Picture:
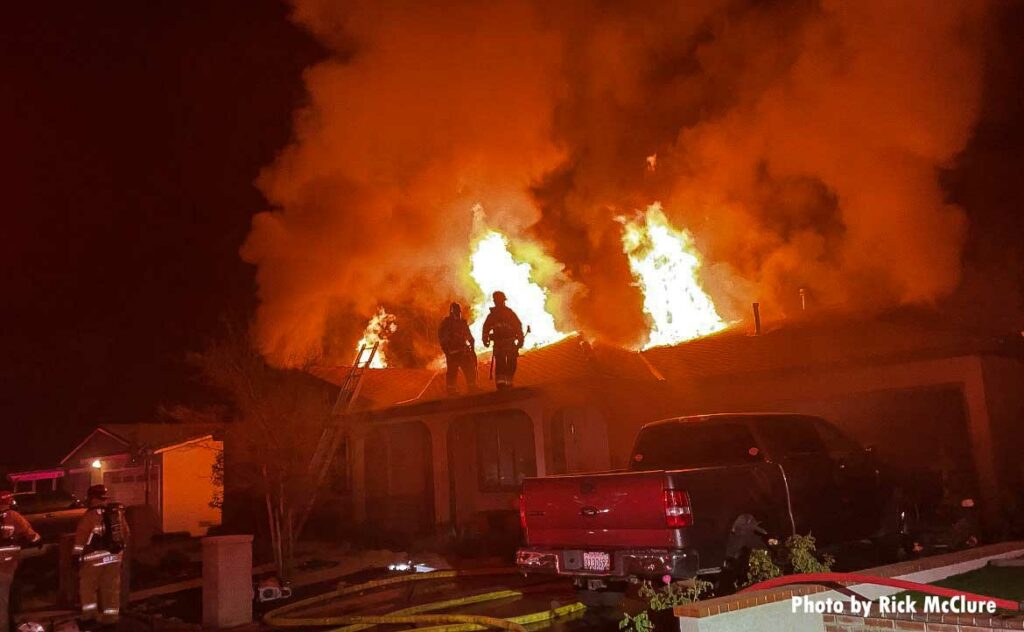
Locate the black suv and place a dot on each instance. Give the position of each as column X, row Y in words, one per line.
column 50, row 513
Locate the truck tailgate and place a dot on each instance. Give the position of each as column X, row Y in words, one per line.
column 616, row 510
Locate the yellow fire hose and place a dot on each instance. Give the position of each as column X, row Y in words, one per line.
column 417, row 614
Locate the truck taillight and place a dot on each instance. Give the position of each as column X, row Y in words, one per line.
column 677, row 508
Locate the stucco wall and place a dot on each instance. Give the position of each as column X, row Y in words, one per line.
column 188, row 487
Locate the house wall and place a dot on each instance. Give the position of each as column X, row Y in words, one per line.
column 399, row 478
column 907, row 406
column 1004, row 389
column 187, row 487
column 466, row 449
column 953, row 415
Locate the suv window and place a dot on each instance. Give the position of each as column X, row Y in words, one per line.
column 790, row 434
column 837, row 443
column 43, row 502
column 692, row 444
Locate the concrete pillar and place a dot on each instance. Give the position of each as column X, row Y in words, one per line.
column 227, row 581
column 442, row 485
column 979, row 426
column 535, row 410
column 358, row 451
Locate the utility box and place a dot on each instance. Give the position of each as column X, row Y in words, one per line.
column 227, row 581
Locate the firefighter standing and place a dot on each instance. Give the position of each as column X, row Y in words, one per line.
column 457, row 342
column 100, row 541
column 504, row 329
column 14, row 531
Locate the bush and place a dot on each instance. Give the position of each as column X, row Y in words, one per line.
column 797, row 555
column 658, row 599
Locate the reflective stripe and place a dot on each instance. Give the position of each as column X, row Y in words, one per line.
column 110, row 611
column 101, row 558
column 78, row 548
column 89, row 606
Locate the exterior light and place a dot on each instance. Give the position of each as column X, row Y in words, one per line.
column 96, row 464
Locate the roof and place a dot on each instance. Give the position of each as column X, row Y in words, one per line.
column 570, row 359
column 898, row 336
column 383, row 387
column 160, row 436
column 147, row 436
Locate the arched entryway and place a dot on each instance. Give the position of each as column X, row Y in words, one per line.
column 399, row 479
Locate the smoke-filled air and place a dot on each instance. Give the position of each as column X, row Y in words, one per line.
column 636, row 172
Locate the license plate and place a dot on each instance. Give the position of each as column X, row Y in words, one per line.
column 597, row 561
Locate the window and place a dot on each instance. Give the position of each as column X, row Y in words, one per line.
column 685, row 444
column 46, row 485
column 505, row 451
column 23, row 486
column 790, row 434
column 836, row 443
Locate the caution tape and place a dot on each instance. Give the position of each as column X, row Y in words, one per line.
column 420, row 614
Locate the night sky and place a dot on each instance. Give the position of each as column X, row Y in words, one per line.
column 132, row 133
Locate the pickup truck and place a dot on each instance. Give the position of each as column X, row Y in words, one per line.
column 700, row 493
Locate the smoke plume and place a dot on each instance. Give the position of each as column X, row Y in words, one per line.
column 800, row 142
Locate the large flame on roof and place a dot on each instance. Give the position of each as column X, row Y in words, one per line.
column 666, row 264
column 377, row 331
column 493, row 268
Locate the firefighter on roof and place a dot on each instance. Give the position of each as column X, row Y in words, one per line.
column 504, row 329
column 100, row 541
column 457, row 343
column 14, row 532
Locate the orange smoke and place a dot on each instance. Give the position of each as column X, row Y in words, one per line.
column 800, row 144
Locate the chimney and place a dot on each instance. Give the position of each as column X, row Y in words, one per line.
column 757, row 319
column 803, row 300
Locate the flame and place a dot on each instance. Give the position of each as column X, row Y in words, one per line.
column 666, row 264
column 380, row 327
column 493, row 268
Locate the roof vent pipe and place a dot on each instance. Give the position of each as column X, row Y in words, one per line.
column 757, row 319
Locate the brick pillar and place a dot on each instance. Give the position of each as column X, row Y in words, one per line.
column 227, row 581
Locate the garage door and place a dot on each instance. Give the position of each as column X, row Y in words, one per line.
column 127, row 487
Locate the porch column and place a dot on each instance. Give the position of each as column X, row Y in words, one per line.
column 979, row 426
column 442, row 478
column 535, row 410
column 358, row 451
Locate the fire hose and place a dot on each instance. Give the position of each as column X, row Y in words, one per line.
column 419, row 614
column 838, row 579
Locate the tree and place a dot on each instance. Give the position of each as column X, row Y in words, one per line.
column 279, row 417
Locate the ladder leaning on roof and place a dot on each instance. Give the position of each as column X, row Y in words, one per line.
column 333, row 432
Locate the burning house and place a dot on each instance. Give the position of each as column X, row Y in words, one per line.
column 643, row 204
column 917, row 392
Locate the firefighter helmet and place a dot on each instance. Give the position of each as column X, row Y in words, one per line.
column 96, row 492
column 6, row 500
column 455, row 310
column 499, row 298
